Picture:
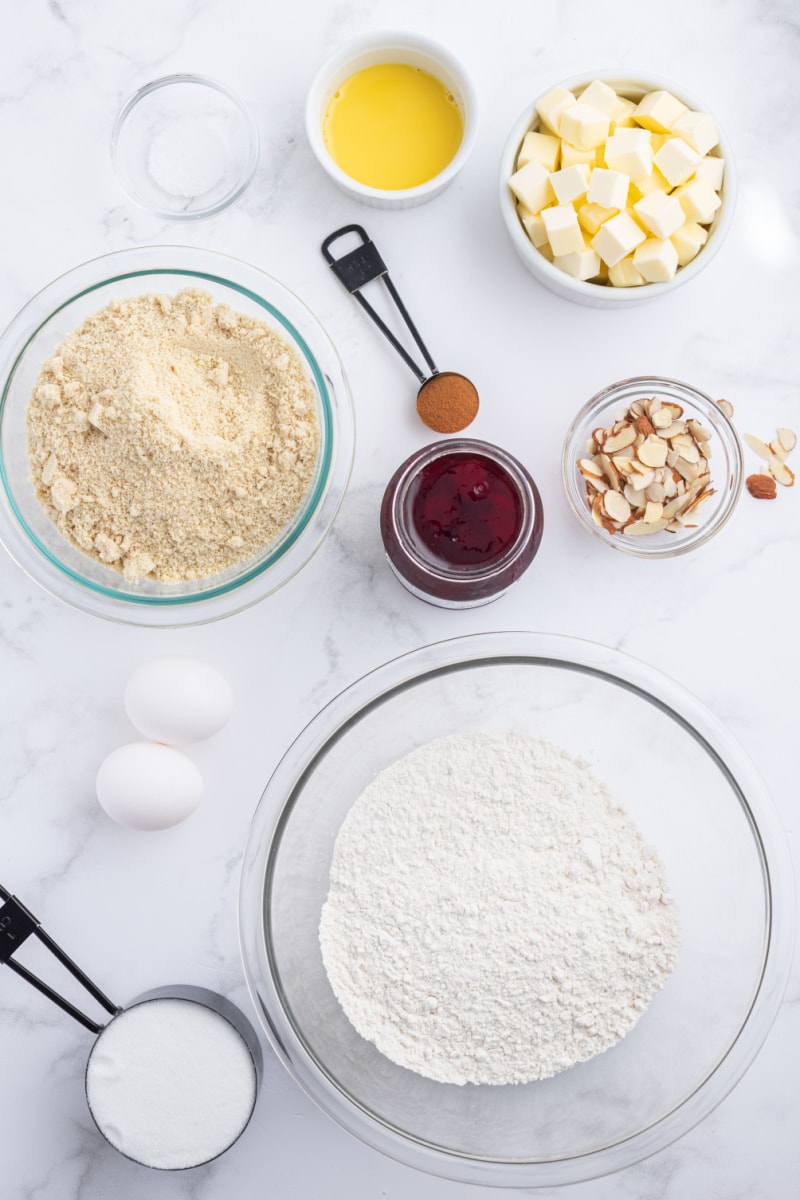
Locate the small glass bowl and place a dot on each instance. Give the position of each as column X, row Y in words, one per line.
column 451, row 585
column 36, row 543
column 727, row 463
column 185, row 147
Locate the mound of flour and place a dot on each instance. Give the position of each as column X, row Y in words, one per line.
column 493, row 915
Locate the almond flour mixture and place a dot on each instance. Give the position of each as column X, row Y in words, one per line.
column 493, row 915
column 171, row 438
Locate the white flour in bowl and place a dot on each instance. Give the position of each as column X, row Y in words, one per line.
column 493, row 915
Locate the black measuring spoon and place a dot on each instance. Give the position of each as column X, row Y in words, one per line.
column 447, row 402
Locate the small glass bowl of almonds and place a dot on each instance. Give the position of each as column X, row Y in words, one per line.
column 653, row 467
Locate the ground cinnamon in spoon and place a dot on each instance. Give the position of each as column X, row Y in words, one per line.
column 447, row 402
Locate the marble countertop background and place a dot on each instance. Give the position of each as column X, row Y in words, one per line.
column 144, row 910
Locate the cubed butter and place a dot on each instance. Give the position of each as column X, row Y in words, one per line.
column 629, row 151
column 710, row 170
column 571, row 155
column 607, row 188
column 624, row 274
column 625, row 120
column 659, row 213
column 551, row 106
column 658, row 111
column 651, row 183
column 617, row 237
column 698, row 201
column 580, row 264
column 689, row 241
column 563, row 231
column 656, row 259
column 601, row 96
column 533, row 225
column 583, row 125
column 698, row 129
column 592, row 216
column 531, row 186
column 542, row 147
column 676, row 160
column 570, row 183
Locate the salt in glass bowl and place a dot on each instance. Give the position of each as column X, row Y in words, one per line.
column 600, row 295
column 726, row 463
column 185, row 147
column 35, row 542
column 692, row 792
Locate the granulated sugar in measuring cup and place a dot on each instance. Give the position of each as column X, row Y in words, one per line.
column 172, row 1078
column 447, row 402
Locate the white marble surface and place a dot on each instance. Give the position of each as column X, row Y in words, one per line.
column 139, row 910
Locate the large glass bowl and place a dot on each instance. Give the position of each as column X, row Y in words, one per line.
column 32, row 538
column 693, row 794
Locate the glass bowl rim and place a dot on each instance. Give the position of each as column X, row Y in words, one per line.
column 342, row 712
column 580, row 428
column 80, row 281
column 253, row 144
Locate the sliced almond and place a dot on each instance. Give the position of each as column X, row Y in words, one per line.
column 670, row 487
column 624, row 437
column 656, row 493
column 674, row 506
column 778, row 450
column 616, row 506
column 699, row 499
column 781, row 472
column 787, row 438
column 661, row 418
column 758, row 447
column 676, row 429
column 598, row 436
column 609, row 470
column 635, row 497
column 652, row 512
column 698, row 431
column 686, row 470
column 653, row 452
column 726, row 407
column 638, row 528
column 589, row 469
column 690, row 453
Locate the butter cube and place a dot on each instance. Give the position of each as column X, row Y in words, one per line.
column 698, row 129
column 592, row 216
column 601, row 96
column 563, row 231
column 658, row 111
column 617, row 237
column 533, row 225
column 629, row 151
column 625, row 120
column 676, row 160
column 659, row 213
column 542, row 147
column 584, row 126
column 570, row 183
column 571, row 155
column 551, row 106
column 689, row 241
column 607, row 188
column 580, row 264
column 624, row 274
column 651, row 183
column 710, row 170
column 698, row 201
column 531, row 186
column 656, row 259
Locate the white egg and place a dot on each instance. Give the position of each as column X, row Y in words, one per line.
column 147, row 786
column 177, row 699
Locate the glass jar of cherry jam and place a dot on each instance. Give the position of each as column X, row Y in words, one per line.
column 460, row 520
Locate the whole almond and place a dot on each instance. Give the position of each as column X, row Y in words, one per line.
column 762, row 487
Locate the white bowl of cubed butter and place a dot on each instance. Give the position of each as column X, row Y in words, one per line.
column 616, row 190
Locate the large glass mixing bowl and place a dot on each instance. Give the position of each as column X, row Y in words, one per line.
column 36, row 543
column 693, row 794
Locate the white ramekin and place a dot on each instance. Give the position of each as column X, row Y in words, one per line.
column 594, row 294
column 368, row 51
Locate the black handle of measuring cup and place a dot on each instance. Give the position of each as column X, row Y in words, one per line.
column 361, row 266
column 17, row 924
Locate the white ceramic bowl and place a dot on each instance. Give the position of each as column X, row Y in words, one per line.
column 391, row 47
column 599, row 295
